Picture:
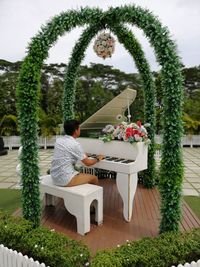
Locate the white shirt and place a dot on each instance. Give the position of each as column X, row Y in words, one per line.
column 67, row 152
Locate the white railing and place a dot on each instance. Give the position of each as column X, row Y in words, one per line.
column 187, row 140
column 44, row 142
column 192, row 264
column 11, row 142
column 11, row 258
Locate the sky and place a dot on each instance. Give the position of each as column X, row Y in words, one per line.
column 20, row 20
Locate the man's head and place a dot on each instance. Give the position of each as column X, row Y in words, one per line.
column 72, row 127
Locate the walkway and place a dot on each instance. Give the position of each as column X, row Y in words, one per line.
column 191, row 185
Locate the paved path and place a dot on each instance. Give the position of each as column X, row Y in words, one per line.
column 191, row 184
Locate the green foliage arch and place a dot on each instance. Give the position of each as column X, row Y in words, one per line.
column 28, row 98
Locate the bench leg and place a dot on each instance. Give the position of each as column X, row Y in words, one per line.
column 98, row 205
column 83, row 222
column 49, row 200
column 82, row 213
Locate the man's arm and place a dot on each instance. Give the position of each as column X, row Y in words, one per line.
column 88, row 162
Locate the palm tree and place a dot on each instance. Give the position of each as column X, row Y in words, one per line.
column 48, row 125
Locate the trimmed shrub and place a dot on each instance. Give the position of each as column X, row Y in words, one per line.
column 164, row 251
column 44, row 245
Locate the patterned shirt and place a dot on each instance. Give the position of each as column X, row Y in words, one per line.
column 67, row 152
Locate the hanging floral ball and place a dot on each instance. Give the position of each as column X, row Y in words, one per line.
column 104, row 45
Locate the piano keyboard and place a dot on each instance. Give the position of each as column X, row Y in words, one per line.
column 112, row 159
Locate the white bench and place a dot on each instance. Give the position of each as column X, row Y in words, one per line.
column 77, row 200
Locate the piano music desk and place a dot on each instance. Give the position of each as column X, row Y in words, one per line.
column 127, row 173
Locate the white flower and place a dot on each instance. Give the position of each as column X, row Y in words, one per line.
column 36, row 246
column 87, row 264
column 42, row 248
column 52, row 230
column 137, row 138
column 118, row 246
column 143, row 130
column 108, row 129
column 81, row 255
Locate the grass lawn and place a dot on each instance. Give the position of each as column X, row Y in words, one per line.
column 194, row 203
column 10, row 200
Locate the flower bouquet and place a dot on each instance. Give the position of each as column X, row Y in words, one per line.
column 104, row 45
column 126, row 131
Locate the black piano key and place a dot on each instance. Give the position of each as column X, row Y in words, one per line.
column 110, row 158
column 118, row 160
column 90, row 155
column 128, row 161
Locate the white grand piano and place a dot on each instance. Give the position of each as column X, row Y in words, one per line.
column 122, row 157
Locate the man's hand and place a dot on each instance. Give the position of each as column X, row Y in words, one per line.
column 89, row 161
column 100, row 157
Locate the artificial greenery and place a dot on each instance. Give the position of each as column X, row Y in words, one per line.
column 28, row 96
column 42, row 244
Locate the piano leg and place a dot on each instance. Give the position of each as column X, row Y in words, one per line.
column 126, row 185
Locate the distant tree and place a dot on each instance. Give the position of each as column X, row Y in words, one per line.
column 191, row 126
column 192, row 105
column 90, row 97
column 7, row 93
column 137, row 107
column 44, row 92
column 8, row 125
column 99, row 97
column 48, row 125
column 54, row 99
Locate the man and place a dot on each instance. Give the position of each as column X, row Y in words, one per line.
column 66, row 154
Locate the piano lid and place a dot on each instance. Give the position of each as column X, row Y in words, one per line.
column 108, row 113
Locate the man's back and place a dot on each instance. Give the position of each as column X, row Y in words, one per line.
column 66, row 153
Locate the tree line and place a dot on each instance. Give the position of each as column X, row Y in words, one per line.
column 95, row 86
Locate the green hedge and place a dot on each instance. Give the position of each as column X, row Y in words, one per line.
column 44, row 245
column 56, row 250
column 164, row 251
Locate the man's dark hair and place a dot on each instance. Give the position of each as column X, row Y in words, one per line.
column 71, row 126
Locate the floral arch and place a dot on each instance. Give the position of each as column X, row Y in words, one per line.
column 165, row 51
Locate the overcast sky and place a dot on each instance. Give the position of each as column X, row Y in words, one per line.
column 21, row 19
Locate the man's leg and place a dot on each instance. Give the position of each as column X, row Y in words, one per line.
column 83, row 178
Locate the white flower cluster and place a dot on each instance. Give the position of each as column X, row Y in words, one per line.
column 104, row 45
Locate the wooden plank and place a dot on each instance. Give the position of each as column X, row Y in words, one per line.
column 115, row 230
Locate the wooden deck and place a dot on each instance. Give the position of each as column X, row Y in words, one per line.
column 145, row 220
